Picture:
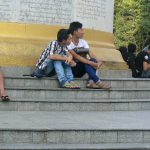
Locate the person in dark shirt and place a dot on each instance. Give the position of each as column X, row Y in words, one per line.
column 131, row 59
column 142, row 63
column 124, row 53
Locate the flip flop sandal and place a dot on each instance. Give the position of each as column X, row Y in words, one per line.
column 67, row 85
column 74, row 85
column 5, row 98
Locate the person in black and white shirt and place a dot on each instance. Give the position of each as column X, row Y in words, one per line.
column 62, row 59
column 56, row 55
column 44, row 66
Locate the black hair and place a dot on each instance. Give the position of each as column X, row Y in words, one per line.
column 148, row 47
column 62, row 34
column 131, row 48
column 124, row 53
column 74, row 26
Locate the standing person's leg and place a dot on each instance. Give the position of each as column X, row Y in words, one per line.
column 3, row 93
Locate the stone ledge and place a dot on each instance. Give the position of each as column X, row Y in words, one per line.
column 112, row 146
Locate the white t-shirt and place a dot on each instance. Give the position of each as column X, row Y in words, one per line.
column 82, row 48
column 82, row 44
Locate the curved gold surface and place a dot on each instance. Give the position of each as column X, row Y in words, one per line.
column 21, row 44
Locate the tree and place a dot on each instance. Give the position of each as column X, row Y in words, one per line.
column 132, row 22
column 143, row 33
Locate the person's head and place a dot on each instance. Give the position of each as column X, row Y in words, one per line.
column 76, row 29
column 123, row 51
column 64, row 36
column 131, row 48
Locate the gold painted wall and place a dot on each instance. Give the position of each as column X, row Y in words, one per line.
column 21, row 44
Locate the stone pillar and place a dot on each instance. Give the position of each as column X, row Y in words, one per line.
column 27, row 26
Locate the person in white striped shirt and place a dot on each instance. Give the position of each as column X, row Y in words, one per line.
column 56, row 56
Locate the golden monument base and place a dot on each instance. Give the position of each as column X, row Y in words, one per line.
column 22, row 44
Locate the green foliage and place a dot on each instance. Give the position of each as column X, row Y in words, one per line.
column 132, row 22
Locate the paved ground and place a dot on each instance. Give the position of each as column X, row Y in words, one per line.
column 111, row 146
column 134, row 120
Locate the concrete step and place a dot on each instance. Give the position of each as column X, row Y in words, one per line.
column 75, row 127
column 60, row 93
column 75, row 105
column 19, row 71
column 112, row 146
column 52, row 82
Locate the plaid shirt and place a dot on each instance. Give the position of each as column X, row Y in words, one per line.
column 53, row 48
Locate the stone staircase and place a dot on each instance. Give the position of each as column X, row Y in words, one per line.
column 42, row 116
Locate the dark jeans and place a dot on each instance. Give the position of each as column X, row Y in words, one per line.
column 146, row 74
column 91, row 71
column 48, row 71
column 79, row 70
column 82, row 68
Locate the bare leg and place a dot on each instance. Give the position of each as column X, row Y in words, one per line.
column 2, row 90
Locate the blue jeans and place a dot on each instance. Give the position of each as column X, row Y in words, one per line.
column 63, row 71
column 46, row 71
column 49, row 67
column 91, row 71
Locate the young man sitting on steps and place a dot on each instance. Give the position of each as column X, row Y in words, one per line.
column 62, row 59
column 80, row 51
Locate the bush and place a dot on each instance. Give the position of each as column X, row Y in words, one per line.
column 132, row 22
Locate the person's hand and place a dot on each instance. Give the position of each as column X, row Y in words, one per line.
column 99, row 64
column 96, row 65
column 73, row 63
column 68, row 60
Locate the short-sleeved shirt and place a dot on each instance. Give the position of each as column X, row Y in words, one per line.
column 54, row 47
column 82, row 48
column 141, row 57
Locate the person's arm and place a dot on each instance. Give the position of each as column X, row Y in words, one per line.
column 69, row 57
column 83, row 60
column 146, row 66
column 52, row 47
column 57, row 57
column 62, row 58
column 92, row 55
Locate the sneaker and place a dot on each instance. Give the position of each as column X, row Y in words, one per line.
column 103, row 85
column 92, row 86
